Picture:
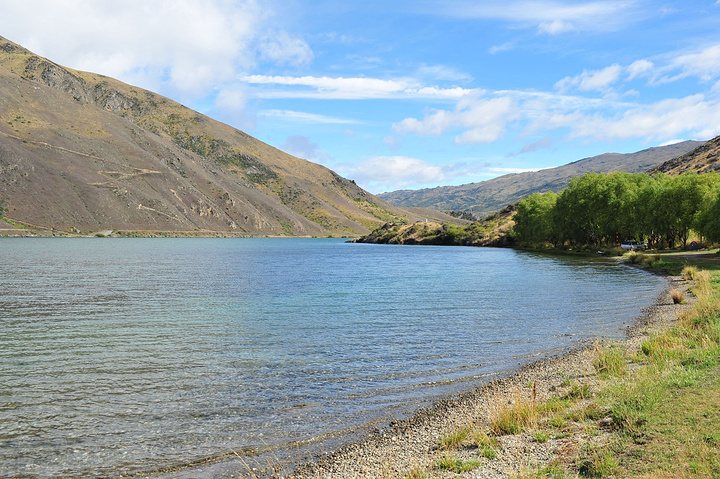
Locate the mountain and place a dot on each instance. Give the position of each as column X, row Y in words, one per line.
column 490, row 196
column 702, row 159
column 81, row 152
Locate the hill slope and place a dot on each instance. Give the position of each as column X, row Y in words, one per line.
column 702, row 159
column 83, row 152
column 489, row 196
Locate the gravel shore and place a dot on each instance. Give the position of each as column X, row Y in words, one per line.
column 413, row 443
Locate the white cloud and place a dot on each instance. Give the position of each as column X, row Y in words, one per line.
column 695, row 116
column 556, row 27
column 704, row 64
column 352, row 88
column 486, row 116
column 501, row 48
column 595, row 80
column 281, row 48
column 639, row 68
column 389, row 173
column 304, row 117
column 484, row 120
column 184, row 46
column 672, row 142
column 385, row 173
column 548, row 16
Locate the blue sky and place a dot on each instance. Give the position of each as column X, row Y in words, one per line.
column 408, row 94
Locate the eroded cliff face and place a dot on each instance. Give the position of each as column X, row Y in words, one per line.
column 84, row 152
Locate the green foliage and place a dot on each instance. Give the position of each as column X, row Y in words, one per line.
column 2, row 208
column 533, row 220
column 457, row 465
column 602, row 209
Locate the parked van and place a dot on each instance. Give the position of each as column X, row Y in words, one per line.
column 632, row 245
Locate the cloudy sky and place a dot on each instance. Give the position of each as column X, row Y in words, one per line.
column 408, row 94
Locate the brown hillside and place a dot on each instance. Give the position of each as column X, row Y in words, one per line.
column 81, row 152
column 702, row 159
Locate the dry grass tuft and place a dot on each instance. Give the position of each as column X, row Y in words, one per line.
column 689, row 272
column 678, row 297
column 610, row 361
column 453, row 440
column 513, row 416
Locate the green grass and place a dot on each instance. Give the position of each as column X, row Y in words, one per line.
column 666, row 414
column 453, row 440
column 457, row 465
column 596, row 462
column 660, row 418
column 610, row 361
column 513, row 418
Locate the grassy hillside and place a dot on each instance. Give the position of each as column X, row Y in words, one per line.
column 489, row 196
column 81, row 152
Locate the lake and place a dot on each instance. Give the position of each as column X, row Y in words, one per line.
column 133, row 356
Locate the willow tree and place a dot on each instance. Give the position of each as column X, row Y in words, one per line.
column 534, row 221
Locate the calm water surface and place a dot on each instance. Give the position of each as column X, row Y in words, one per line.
column 128, row 356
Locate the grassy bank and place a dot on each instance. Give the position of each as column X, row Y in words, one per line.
column 648, row 408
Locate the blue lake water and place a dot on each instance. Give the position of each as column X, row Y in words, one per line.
column 129, row 356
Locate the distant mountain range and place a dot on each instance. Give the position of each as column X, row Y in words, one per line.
column 81, row 152
column 490, row 196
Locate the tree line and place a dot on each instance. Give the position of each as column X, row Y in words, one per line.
column 602, row 209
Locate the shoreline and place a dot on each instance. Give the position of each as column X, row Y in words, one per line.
column 394, row 451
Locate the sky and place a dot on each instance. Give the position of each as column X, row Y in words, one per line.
column 398, row 94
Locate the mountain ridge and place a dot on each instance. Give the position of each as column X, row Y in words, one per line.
column 82, row 152
column 702, row 159
column 489, row 196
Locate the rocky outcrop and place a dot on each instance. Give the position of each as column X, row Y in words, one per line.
column 703, row 159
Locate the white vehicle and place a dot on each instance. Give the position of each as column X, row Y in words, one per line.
column 632, row 245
